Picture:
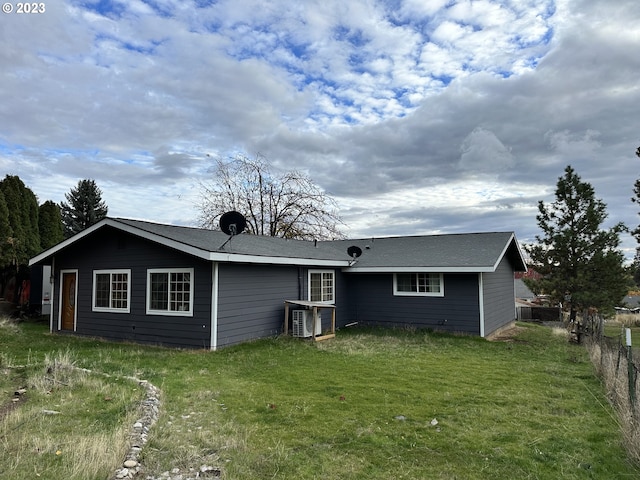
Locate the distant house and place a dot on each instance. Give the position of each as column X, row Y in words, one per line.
column 137, row 281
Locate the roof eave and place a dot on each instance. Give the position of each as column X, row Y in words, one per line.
column 522, row 267
column 185, row 248
column 419, row 269
column 65, row 243
column 297, row 261
column 125, row 228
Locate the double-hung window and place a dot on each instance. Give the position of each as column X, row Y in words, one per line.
column 111, row 291
column 322, row 286
column 418, row 284
column 170, row 291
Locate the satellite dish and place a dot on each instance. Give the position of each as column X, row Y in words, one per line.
column 354, row 251
column 232, row 223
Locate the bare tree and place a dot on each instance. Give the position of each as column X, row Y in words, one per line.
column 288, row 205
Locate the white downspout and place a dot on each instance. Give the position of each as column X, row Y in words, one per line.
column 481, row 303
column 214, row 307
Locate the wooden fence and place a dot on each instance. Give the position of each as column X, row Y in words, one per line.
column 541, row 314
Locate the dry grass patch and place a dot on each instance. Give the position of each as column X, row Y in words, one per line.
column 73, row 424
column 612, row 368
column 627, row 320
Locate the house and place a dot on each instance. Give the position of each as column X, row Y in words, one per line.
column 144, row 282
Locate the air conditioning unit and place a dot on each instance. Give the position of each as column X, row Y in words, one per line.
column 303, row 323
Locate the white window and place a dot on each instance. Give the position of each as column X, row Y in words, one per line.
column 111, row 291
column 170, row 291
column 321, row 286
column 418, row 284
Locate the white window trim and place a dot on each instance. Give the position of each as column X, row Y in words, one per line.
column 418, row 294
column 111, row 309
column 185, row 313
column 333, row 286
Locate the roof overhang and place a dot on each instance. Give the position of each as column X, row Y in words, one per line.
column 189, row 249
column 418, row 269
column 520, row 263
column 511, row 248
column 242, row 258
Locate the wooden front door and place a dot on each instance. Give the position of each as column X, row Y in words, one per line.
column 68, row 300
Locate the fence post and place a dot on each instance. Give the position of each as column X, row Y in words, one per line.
column 631, row 373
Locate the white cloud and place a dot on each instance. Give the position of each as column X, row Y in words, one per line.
column 483, row 152
column 403, row 110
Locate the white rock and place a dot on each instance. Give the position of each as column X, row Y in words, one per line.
column 50, row 412
column 130, row 464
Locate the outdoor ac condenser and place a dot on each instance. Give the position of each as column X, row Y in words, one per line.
column 303, row 323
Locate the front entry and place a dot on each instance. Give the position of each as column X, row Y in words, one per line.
column 68, row 300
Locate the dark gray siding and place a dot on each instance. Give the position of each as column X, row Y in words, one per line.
column 499, row 297
column 110, row 249
column 375, row 304
column 251, row 300
column 343, row 301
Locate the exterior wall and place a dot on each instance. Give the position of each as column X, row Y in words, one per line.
column 375, row 304
column 251, row 300
column 343, row 300
column 498, row 297
column 109, row 249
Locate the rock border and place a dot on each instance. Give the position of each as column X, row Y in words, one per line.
column 149, row 409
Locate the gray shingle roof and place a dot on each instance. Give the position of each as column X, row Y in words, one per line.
column 473, row 252
column 462, row 252
column 243, row 244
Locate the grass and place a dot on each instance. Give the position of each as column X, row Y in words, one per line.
column 68, row 423
column 368, row 404
column 615, row 328
column 613, row 370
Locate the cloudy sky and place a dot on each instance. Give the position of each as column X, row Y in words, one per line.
column 417, row 116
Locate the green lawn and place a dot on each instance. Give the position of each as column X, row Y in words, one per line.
column 369, row 404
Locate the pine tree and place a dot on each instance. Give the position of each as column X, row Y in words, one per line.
column 50, row 225
column 579, row 261
column 84, row 208
column 636, row 199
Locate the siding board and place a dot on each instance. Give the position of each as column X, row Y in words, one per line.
column 251, row 300
column 110, row 249
column 499, row 297
column 457, row 311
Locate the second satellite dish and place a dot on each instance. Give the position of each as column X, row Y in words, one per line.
column 232, row 223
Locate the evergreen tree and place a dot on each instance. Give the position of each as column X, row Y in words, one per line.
column 636, row 199
column 84, row 208
column 6, row 250
column 22, row 207
column 50, row 225
column 579, row 262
